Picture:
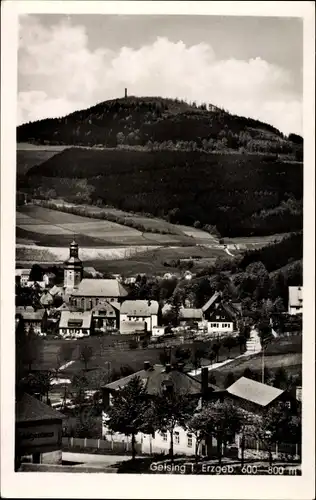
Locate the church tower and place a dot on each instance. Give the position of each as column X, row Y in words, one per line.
column 73, row 269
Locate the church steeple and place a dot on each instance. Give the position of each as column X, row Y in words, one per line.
column 74, row 249
column 73, row 269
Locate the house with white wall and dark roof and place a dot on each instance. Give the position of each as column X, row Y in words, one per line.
column 156, row 380
column 220, row 315
column 134, row 311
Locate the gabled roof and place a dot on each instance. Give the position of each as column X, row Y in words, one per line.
column 295, row 296
column 253, row 391
column 22, row 272
column 56, row 290
column 67, row 317
column 46, row 298
column 230, row 310
column 189, row 313
column 30, row 409
column 140, row 307
column 29, row 314
column 156, row 376
column 100, row 288
column 105, row 308
column 211, row 301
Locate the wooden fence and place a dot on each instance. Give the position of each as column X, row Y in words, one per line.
column 286, row 448
column 100, row 444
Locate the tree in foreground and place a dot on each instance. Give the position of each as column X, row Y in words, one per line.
column 277, row 425
column 169, row 410
column 199, row 426
column 219, row 419
column 127, row 412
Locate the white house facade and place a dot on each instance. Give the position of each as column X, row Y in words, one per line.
column 145, row 311
column 295, row 300
column 75, row 324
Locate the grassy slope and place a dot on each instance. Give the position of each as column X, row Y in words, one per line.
column 63, row 227
column 286, row 352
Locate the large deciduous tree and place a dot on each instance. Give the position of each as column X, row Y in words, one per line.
column 128, row 410
column 169, row 410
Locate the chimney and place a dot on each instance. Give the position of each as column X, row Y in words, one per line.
column 147, row 365
column 168, row 367
column 204, row 381
column 125, row 92
column 180, row 367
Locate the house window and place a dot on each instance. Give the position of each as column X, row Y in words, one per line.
column 189, row 436
column 164, row 436
column 177, row 438
column 288, row 404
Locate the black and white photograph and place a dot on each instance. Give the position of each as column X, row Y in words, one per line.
column 160, row 199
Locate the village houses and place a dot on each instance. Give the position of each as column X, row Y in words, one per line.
column 156, row 380
column 295, row 300
column 134, row 311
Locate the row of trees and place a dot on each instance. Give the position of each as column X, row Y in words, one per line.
column 132, row 411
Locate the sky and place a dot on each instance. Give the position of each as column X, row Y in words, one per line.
column 251, row 66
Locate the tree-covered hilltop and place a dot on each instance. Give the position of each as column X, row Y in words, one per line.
column 158, row 123
column 239, row 194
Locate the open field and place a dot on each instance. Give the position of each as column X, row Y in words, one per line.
column 253, row 241
column 285, row 352
column 47, row 227
column 113, row 349
column 41, row 254
column 161, row 260
column 29, row 155
column 200, row 236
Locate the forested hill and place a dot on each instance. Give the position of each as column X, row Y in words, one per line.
column 241, row 194
column 157, row 123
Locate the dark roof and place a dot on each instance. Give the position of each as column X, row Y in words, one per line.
column 30, row 409
column 256, row 392
column 155, row 377
column 230, row 310
column 211, row 301
column 181, row 382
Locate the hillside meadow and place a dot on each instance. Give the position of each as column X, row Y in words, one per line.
column 46, row 227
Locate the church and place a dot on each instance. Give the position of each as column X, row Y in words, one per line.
column 85, row 294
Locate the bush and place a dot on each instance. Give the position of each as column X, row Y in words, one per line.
column 133, row 344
